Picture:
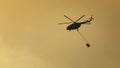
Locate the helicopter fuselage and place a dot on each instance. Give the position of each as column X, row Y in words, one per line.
column 73, row 26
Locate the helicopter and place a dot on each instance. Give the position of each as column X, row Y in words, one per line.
column 76, row 25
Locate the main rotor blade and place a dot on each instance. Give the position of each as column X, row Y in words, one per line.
column 68, row 18
column 79, row 18
column 65, row 23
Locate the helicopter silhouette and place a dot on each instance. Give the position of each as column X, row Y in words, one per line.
column 76, row 25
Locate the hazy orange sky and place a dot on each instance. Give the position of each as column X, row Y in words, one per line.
column 30, row 36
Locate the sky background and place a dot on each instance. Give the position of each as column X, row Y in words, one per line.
column 30, row 36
